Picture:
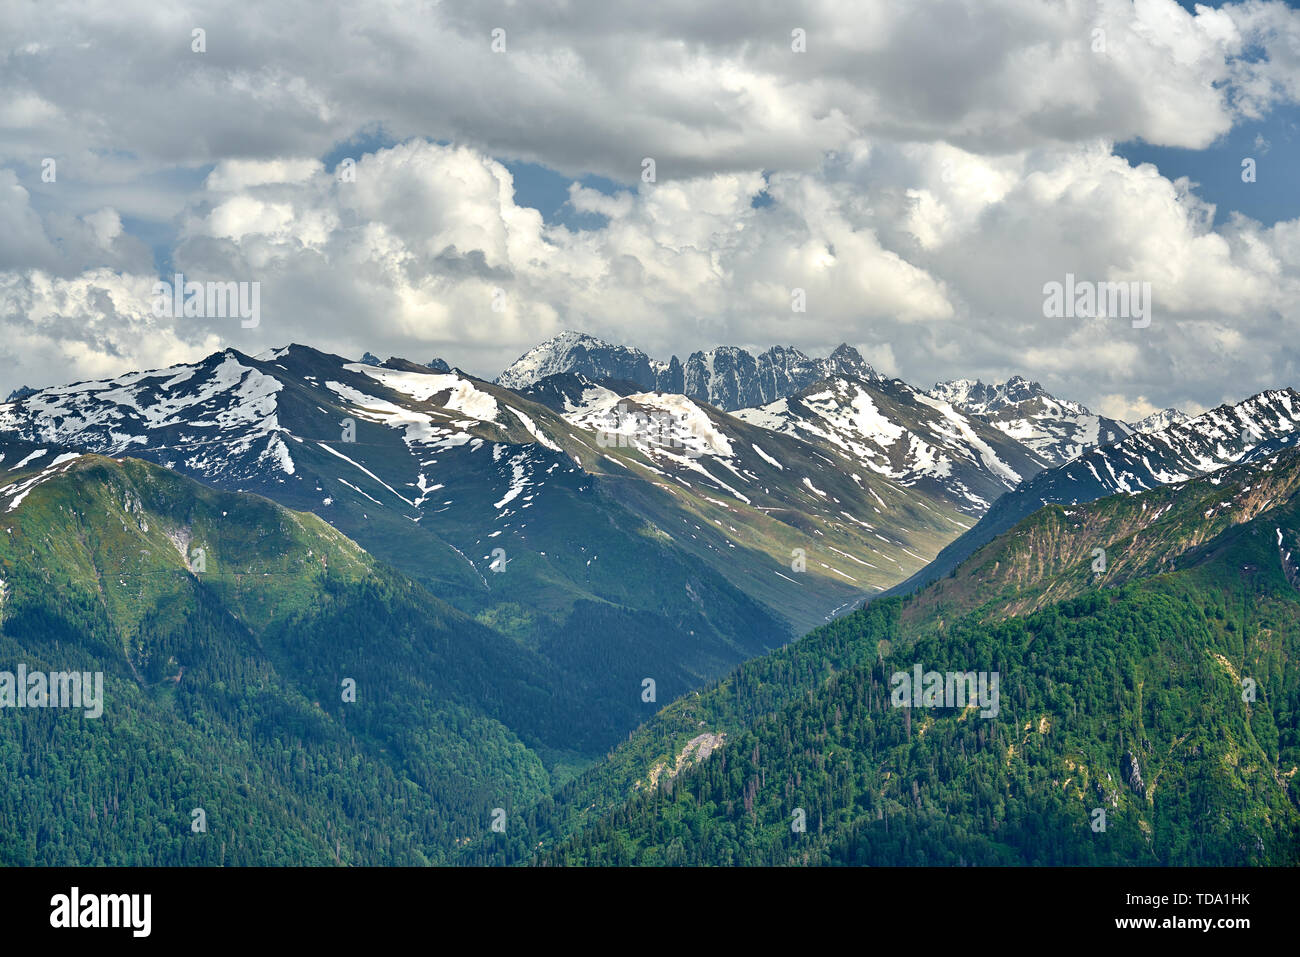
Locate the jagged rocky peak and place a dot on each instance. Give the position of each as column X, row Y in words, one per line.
column 438, row 365
column 1057, row 429
column 22, row 392
column 731, row 378
column 846, row 360
column 978, row 396
column 963, row 393
column 1020, row 389
column 371, row 359
column 725, row 377
column 728, row 377
column 1158, row 421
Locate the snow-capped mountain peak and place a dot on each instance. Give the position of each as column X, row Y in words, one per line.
column 1057, row 429
column 983, row 398
column 1159, row 421
column 580, row 353
column 222, row 407
column 904, row 435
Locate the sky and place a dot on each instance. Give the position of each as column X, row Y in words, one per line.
column 920, row 172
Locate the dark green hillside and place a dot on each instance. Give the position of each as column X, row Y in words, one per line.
column 1091, row 689
column 223, row 687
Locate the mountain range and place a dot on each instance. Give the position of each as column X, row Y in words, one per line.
column 732, row 378
column 727, row 377
column 524, row 572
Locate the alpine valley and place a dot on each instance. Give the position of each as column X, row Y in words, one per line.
column 611, row 609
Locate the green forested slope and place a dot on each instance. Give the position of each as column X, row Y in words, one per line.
column 223, row 687
column 1089, row 688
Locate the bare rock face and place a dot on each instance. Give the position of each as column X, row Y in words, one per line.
column 727, row 377
column 1133, row 774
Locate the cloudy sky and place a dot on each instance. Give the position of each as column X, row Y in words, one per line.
column 386, row 171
